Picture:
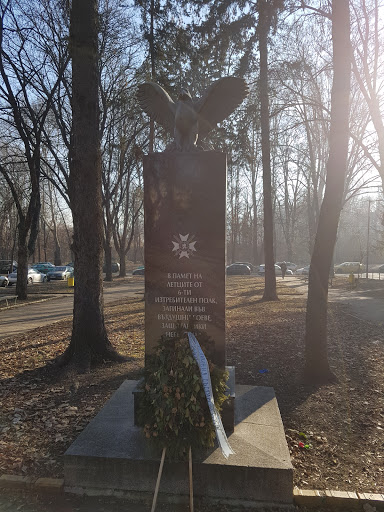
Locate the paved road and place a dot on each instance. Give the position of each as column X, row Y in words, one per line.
column 21, row 319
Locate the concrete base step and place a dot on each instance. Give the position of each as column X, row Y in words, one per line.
column 112, row 454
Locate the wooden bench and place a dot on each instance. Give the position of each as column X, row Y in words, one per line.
column 8, row 299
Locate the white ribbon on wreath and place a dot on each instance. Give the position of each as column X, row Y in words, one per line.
column 202, row 363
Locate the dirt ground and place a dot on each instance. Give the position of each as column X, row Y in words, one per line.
column 335, row 432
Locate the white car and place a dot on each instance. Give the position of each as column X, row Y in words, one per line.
column 349, row 266
column 61, row 273
column 261, row 270
column 3, row 281
column 290, row 265
column 34, row 276
column 303, row 271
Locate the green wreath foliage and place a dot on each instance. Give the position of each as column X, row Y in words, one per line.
column 173, row 409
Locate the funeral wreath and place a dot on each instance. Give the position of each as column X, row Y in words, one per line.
column 173, row 409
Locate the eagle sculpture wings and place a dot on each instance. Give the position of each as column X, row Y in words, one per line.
column 187, row 119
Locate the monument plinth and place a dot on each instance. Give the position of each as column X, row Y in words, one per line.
column 185, row 216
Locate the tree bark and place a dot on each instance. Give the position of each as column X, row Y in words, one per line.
column 22, row 261
column 270, row 276
column 123, row 268
column 317, row 368
column 253, row 178
column 57, row 251
column 89, row 341
column 108, row 257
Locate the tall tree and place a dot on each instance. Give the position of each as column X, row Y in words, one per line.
column 367, row 66
column 316, row 357
column 265, row 18
column 27, row 86
column 121, row 122
column 89, row 341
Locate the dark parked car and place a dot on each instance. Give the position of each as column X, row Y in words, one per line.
column 43, row 267
column 59, row 273
column 138, row 271
column 252, row 267
column 7, row 266
column 239, row 269
column 115, row 267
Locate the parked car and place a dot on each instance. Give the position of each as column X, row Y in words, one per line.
column 290, row 265
column 138, row 271
column 380, row 269
column 34, row 276
column 59, row 273
column 4, row 281
column 7, row 266
column 239, row 269
column 304, row 271
column 261, row 270
column 115, row 267
column 349, row 266
column 43, row 267
column 250, row 265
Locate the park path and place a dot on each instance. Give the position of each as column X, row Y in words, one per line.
column 17, row 320
column 361, row 303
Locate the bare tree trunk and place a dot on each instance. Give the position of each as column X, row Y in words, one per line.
column 89, row 341
column 123, row 267
column 107, row 240
column 22, row 262
column 57, row 250
column 255, row 252
column 153, row 70
column 316, row 357
column 270, row 276
column 27, row 225
column 254, row 172
column 108, row 257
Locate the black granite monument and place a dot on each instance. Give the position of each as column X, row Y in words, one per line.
column 185, row 205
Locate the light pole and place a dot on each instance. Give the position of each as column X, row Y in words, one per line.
column 369, row 221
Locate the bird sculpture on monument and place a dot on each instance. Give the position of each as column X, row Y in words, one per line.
column 187, row 119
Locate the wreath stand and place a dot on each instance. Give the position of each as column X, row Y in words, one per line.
column 159, row 478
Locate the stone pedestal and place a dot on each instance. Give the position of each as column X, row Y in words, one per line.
column 185, row 238
column 112, row 456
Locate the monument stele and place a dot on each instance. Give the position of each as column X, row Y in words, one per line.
column 185, row 215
